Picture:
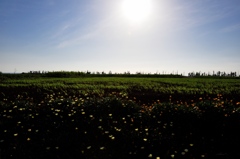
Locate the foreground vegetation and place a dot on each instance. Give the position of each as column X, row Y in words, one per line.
column 117, row 117
column 144, row 88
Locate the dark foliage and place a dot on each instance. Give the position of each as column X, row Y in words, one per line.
column 116, row 127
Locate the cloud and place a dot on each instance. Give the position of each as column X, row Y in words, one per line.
column 231, row 28
column 72, row 34
column 76, row 39
column 197, row 13
column 60, row 31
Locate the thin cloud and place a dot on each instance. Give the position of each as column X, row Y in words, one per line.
column 231, row 28
column 76, row 40
column 60, row 31
column 194, row 14
column 87, row 33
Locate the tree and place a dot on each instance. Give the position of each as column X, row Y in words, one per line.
column 138, row 73
column 197, row 74
column 88, row 72
column 127, row 73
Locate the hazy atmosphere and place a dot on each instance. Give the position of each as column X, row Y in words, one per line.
column 120, row 35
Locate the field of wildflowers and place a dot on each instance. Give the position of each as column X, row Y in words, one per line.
column 119, row 118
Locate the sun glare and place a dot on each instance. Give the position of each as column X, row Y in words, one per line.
column 136, row 10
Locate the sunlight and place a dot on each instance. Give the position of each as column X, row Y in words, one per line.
column 136, row 10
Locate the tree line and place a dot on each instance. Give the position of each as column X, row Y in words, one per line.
column 214, row 74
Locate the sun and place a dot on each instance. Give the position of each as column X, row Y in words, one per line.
column 136, row 10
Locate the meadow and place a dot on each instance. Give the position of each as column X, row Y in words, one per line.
column 119, row 117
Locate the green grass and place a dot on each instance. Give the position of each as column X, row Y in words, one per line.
column 187, row 86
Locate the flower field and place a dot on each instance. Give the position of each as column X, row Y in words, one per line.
column 119, row 118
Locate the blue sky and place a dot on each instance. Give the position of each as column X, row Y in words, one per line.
column 95, row 35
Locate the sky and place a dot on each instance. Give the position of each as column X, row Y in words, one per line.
column 149, row 36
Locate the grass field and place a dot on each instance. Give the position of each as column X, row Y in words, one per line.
column 131, row 86
column 119, row 117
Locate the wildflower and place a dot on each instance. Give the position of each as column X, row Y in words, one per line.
column 150, row 155
column 89, row 147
